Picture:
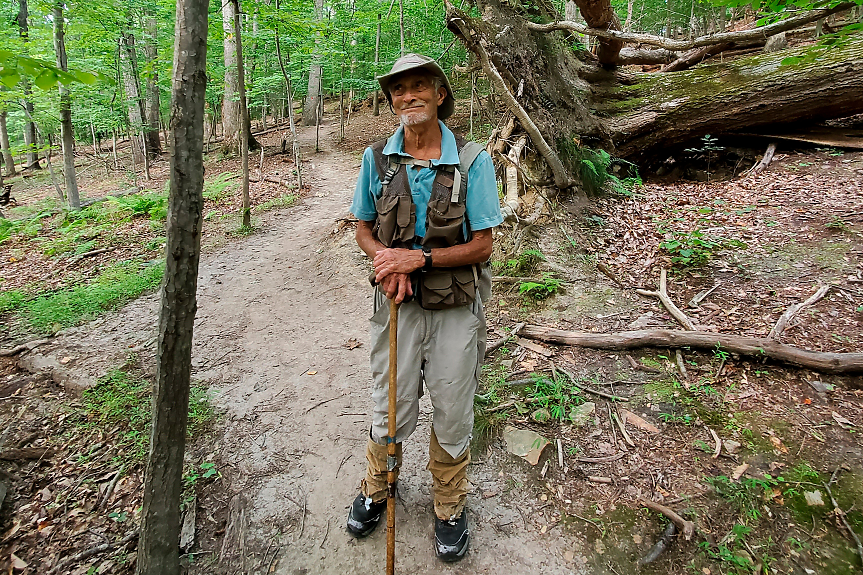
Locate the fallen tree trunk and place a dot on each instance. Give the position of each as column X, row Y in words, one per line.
column 826, row 362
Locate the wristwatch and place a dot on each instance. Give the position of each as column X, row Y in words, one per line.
column 428, row 256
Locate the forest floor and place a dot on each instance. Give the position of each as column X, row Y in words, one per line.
column 281, row 406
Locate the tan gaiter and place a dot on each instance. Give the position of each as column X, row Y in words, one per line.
column 375, row 482
column 450, row 479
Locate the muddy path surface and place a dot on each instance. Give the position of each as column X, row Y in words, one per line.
column 281, row 337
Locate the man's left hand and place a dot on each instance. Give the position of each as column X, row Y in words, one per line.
column 397, row 260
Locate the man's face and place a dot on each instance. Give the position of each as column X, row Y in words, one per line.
column 415, row 99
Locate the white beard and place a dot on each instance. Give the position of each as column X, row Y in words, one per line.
column 414, row 118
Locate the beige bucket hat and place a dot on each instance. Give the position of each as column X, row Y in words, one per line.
column 412, row 62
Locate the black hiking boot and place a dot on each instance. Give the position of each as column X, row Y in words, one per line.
column 364, row 516
column 451, row 538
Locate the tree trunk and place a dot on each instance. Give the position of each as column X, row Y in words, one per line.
column 244, row 117
column 30, row 138
column 4, row 144
column 310, row 108
column 665, row 109
column 152, row 102
column 134, row 103
column 231, row 108
column 376, row 105
column 66, row 133
column 295, row 144
column 158, row 552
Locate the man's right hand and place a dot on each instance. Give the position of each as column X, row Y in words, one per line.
column 397, row 285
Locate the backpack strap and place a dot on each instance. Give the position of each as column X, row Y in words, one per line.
column 466, row 157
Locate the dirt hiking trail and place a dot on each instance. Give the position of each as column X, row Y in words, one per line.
column 281, row 337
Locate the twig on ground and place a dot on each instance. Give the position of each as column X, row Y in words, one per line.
column 686, row 527
column 320, row 403
column 623, row 432
column 678, row 356
column 598, row 479
column 111, row 486
column 793, row 310
column 59, row 567
column 500, row 342
column 608, row 273
column 638, row 366
column 662, row 294
column 717, row 442
column 701, row 295
column 586, row 520
column 326, row 533
column 841, row 514
column 593, row 391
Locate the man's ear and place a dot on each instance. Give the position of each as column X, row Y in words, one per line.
column 441, row 95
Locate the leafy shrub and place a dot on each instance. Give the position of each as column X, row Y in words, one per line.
column 217, row 187
column 695, row 248
column 152, row 205
column 525, row 263
column 542, row 289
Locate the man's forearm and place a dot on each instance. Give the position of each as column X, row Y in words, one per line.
column 476, row 251
column 366, row 239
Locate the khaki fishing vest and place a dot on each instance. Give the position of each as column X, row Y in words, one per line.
column 438, row 288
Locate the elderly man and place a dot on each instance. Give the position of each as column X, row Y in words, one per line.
column 426, row 202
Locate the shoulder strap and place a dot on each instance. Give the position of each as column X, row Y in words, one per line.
column 466, row 157
column 387, row 166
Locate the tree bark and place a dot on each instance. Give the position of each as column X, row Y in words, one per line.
column 295, row 143
column 30, row 138
column 244, row 117
column 752, row 346
column 66, row 133
column 158, row 551
column 231, row 107
column 4, row 144
column 152, row 99
column 134, row 103
column 310, row 108
column 600, row 15
column 376, row 105
column 664, row 109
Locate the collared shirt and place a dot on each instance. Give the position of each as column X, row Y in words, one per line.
column 482, row 204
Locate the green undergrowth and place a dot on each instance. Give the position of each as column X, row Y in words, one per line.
column 121, row 401
column 282, row 201
column 52, row 311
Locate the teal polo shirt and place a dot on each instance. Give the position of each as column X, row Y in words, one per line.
column 482, row 205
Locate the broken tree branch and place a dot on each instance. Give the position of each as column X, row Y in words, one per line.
column 827, row 362
column 680, row 45
column 793, row 310
column 589, row 390
column 765, row 160
column 687, row 528
column 454, row 19
column 662, row 294
column 29, row 346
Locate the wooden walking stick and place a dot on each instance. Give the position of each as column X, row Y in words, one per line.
column 391, row 441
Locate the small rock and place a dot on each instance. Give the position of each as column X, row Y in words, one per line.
column 821, row 387
column 731, row 446
column 636, row 539
column 813, row 498
column 582, row 414
column 541, row 415
column 524, row 443
column 568, row 556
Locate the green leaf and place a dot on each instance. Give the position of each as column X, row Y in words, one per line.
column 9, row 78
column 46, row 80
column 85, row 77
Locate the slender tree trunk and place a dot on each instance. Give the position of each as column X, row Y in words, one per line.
column 402, row 27
column 376, row 105
column 114, row 148
column 231, row 114
column 295, row 144
column 4, row 144
column 135, row 104
column 158, row 552
column 146, row 159
column 96, row 149
column 152, row 107
column 66, row 133
column 310, row 108
column 244, row 117
column 627, row 26
column 30, row 137
column 51, row 170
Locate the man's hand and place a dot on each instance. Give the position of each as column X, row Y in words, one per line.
column 397, row 285
column 396, row 261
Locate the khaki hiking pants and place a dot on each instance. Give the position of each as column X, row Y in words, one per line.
column 444, row 349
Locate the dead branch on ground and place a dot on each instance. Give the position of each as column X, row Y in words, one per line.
column 687, row 528
column 827, row 362
column 765, row 161
column 662, row 294
column 793, row 310
column 59, row 567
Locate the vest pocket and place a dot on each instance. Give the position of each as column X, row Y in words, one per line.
column 447, row 288
column 444, row 224
column 396, row 220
